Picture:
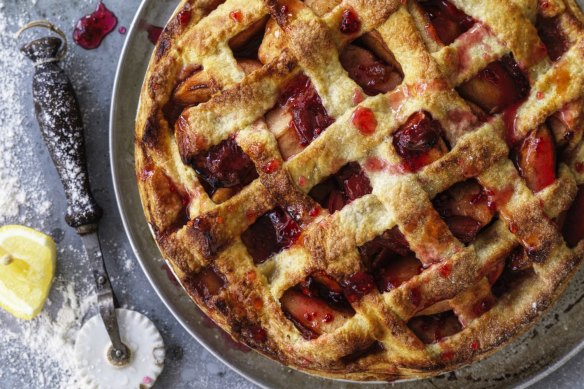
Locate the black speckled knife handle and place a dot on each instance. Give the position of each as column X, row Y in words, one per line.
column 57, row 112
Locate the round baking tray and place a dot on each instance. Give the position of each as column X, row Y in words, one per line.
column 557, row 337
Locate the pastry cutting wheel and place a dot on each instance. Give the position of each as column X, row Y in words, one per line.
column 118, row 348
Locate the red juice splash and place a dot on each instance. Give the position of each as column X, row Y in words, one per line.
column 91, row 29
column 154, row 33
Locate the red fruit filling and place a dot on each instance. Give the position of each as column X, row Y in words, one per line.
column 495, row 272
column 321, row 285
column 358, row 285
column 465, row 209
column 434, row 328
column 345, row 186
column 497, row 87
column 350, row 22
column 395, row 271
column 391, row 260
column 517, row 268
column 369, row 72
column 573, row 228
column 271, row 233
column 419, row 141
column 552, row 37
column 224, row 166
column 446, row 21
column 184, row 17
column 309, row 116
column 390, row 242
column 236, row 16
column 464, row 228
column 316, row 305
column 364, row 120
column 207, row 283
column 91, row 29
column 536, row 159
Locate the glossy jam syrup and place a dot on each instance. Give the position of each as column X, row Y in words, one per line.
column 417, row 141
column 271, row 233
column 91, row 29
column 364, row 120
column 536, row 159
column 123, row 30
column 184, row 17
column 446, row 21
column 309, row 116
column 237, row 16
column 154, row 33
column 497, row 87
column 434, row 328
column 350, row 22
column 573, row 229
column 224, row 166
column 272, row 166
column 445, row 270
column 358, row 285
column 343, row 187
column 474, row 345
column 551, row 35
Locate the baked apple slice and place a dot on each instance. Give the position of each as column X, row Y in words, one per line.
column 536, row 159
column 497, row 87
column 446, row 21
column 369, row 72
column 396, row 271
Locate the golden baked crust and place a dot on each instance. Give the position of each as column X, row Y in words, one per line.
column 201, row 238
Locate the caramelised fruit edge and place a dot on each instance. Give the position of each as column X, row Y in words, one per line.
column 218, row 289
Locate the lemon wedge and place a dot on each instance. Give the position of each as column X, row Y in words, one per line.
column 27, row 268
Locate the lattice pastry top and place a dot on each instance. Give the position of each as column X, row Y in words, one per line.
column 367, row 189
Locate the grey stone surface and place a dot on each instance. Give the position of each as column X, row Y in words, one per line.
column 188, row 364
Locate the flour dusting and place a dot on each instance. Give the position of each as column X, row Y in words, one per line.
column 44, row 347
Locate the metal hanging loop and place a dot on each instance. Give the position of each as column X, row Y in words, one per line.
column 49, row 26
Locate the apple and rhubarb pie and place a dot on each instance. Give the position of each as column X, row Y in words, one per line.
column 368, row 190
